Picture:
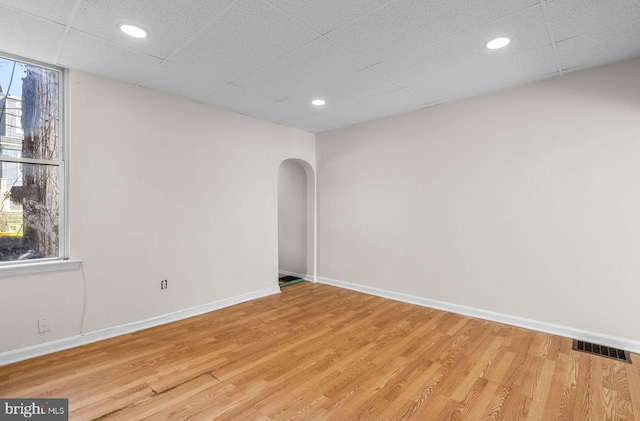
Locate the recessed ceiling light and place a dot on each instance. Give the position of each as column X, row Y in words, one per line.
column 133, row 31
column 501, row 42
column 318, row 102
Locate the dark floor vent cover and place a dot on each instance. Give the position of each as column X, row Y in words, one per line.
column 284, row 281
column 288, row 278
column 604, row 351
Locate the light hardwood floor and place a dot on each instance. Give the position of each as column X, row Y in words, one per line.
column 318, row 352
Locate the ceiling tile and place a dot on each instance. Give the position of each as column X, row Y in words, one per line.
column 310, row 65
column 54, row 10
column 29, row 36
column 325, row 16
column 571, row 18
column 282, row 112
column 363, row 82
column 243, row 39
column 186, row 82
column 618, row 43
column 90, row 54
column 320, row 123
column 235, row 98
column 353, row 109
column 364, row 88
column 408, row 25
column 502, row 74
column 169, row 23
column 372, row 106
column 526, row 28
column 266, row 58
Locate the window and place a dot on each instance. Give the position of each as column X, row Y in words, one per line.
column 31, row 162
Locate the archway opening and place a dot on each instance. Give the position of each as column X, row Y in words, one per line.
column 296, row 222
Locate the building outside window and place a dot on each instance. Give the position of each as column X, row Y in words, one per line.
column 31, row 162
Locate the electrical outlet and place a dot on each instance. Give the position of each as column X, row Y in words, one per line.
column 163, row 284
column 44, row 325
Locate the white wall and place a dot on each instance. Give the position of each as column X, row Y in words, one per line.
column 524, row 202
column 161, row 188
column 292, row 218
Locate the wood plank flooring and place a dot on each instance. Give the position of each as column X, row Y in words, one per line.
column 317, row 352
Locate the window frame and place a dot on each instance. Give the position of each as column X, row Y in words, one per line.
column 9, row 268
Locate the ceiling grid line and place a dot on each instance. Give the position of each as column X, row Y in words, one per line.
column 372, row 68
column 552, row 38
column 337, row 27
column 467, row 31
column 25, row 12
column 188, row 41
column 368, row 59
column 353, row 55
column 324, row 36
column 605, row 28
column 135, row 50
column 441, row 41
column 67, row 29
column 289, row 53
column 268, row 63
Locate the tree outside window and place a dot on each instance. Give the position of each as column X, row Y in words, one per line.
column 30, row 161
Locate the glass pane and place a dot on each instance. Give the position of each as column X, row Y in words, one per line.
column 29, row 114
column 29, row 211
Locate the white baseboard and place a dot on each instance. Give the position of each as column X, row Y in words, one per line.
column 569, row 332
column 87, row 338
column 111, row 332
column 299, row 275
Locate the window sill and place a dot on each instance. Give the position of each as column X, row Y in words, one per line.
column 39, row 267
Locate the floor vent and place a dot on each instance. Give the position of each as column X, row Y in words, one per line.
column 604, row 351
column 284, row 280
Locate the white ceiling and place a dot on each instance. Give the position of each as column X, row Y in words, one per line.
column 367, row 58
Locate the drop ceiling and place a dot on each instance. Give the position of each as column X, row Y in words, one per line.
column 367, row 58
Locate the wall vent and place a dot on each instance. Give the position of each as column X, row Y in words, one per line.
column 604, row 351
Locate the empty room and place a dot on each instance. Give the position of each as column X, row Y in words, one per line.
column 320, row 210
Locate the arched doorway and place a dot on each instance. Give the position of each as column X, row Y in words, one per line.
column 296, row 222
